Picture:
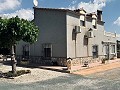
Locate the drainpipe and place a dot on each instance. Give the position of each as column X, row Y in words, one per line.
column 108, row 51
column 88, row 48
column 75, row 44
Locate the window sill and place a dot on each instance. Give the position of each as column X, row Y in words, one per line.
column 83, row 26
column 95, row 28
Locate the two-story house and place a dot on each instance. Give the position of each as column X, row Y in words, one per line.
column 70, row 34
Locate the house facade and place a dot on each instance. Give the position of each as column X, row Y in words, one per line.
column 67, row 34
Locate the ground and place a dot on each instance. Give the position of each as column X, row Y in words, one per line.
column 97, row 81
column 99, row 68
column 41, row 79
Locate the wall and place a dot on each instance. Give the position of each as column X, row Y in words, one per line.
column 57, row 28
column 75, row 44
column 52, row 25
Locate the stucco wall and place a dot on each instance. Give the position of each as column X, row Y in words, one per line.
column 72, row 21
column 76, row 47
column 56, row 27
column 52, row 25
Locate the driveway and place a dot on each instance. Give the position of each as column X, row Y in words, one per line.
column 107, row 80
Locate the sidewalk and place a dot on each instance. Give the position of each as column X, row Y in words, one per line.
column 97, row 67
column 80, row 70
column 93, row 67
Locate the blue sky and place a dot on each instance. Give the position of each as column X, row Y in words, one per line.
column 24, row 9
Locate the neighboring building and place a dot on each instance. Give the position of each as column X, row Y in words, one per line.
column 66, row 34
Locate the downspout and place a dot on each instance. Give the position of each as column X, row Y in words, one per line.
column 108, row 51
column 75, row 44
column 88, row 48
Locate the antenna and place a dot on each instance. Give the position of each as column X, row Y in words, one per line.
column 35, row 2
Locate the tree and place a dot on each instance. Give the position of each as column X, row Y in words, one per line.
column 13, row 30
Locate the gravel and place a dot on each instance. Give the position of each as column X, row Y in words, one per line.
column 35, row 75
column 50, row 80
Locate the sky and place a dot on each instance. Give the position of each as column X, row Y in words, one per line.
column 24, row 9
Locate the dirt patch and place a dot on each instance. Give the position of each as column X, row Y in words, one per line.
column 97, row 69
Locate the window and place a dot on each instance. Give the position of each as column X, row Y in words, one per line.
column 26, row 50
column 82, row 23
column 47, row 50
column 106, row 49
column 95, row 51
column 82, row 20
column 94, row 26
column 112, row 48
column 85, row 41
column 94, row 23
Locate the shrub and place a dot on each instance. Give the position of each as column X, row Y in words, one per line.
column 18, row 73
column 103, row 60
column 24, row 62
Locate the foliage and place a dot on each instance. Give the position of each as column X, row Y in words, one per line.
column 24, row 62
column 12, row 31
column 18, row 73
column 15, row 29
column 104, row 60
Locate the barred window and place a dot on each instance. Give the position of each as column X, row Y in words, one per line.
column 112, row 48
column 95, row 51
column 26, row 50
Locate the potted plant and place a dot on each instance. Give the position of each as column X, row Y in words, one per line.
column 103, row 60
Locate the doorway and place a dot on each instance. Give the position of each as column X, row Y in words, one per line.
column 95, row 51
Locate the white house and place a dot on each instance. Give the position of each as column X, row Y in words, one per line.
column 69, row 34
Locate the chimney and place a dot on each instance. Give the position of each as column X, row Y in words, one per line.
column 99, row 15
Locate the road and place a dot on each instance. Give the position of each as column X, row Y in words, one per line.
column 107, row 80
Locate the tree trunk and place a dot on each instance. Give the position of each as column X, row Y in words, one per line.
column 13, row 61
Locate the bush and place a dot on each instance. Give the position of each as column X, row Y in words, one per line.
column 24, row 62
column 103, row 60
column 18, row 73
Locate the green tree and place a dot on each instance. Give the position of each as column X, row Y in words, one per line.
column 13, row 30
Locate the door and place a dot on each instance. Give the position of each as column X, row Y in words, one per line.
column 107, row 51
column 95, row 51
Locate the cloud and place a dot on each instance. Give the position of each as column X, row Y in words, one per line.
column 22, row 13
column 117, row 22
column 9, row 5
column 91, row 6
column 6, row 5
column 74, row 1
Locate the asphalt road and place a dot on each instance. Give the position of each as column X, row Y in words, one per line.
column 108, row 80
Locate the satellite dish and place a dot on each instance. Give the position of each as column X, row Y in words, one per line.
column 35, row 3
